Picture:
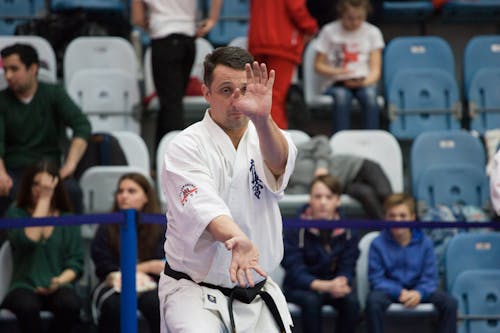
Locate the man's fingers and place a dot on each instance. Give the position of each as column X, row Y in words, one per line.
column 250, row 74
column 263, row 71
column 241, row 278
column 270, row 81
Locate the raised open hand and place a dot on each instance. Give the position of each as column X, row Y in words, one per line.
column 245, row 259
column 255, row 102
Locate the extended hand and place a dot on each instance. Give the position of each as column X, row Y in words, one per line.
column 245, row 259
column 255, row 102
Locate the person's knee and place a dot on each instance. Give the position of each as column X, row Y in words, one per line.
column 375, row 302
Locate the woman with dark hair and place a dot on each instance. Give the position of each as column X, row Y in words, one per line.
column 133, row 192
column 47, row 259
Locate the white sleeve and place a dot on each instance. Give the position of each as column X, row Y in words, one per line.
column 377, row 39
column 495, row 183
column 323, row 41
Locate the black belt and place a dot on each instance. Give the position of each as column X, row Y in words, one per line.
column 245, row 295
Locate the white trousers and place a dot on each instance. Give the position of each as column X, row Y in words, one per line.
column 186, row 307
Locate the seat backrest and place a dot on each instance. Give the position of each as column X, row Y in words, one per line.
column 240, row 41
column 467, row 251
column 232, row 22
column 99, row 183
column 13, row 8
column 103, row 52
column 314, row 83
column 135, row 149
column 362, row 283
column 6, row 271
column 416, row 52
column 484, row 99
column 160, row 156
column 444, row 147
column 203, row 47
column 451, row 184
column 298, row 136
column 46, row 55
column 478, row 293
column 487, row 49
column 377, row 145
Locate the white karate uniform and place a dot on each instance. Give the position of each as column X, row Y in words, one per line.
column 204, row 177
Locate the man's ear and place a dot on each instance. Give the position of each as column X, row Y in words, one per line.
column 206, row 92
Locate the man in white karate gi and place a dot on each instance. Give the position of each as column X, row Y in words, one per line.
column 222, row 178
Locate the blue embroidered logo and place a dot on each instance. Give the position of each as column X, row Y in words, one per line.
column 212, row 298
column 256, row 181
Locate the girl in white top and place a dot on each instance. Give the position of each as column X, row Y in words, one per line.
column 349, row 53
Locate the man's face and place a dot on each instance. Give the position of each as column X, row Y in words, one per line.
column 19, row 77
column 220, row 96
column 399, row 213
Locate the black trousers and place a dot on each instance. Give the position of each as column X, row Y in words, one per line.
column 64, row 303
column 172, row 58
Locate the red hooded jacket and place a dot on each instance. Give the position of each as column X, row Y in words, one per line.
column 277, row 28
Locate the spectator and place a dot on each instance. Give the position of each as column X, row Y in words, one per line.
column 48, row 259
column 361, row 178
column 133, row 192
column 33, row 120
column 277, row 34
column 173, row 28
column 495, row 183
column 349, row 53
column 402, row 269
column 320, row 263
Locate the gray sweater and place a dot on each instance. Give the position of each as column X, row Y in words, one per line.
column 316, row 153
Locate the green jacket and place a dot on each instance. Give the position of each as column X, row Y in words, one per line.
column 36, row 263
column 36, row 130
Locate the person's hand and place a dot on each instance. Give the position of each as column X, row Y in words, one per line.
column 66, row 170
column 204, row 27
column 410, row 298
column 354, row 83
column 339, row 287
column 255, row 102
column 320, row 172
column 245, row 259
column 5, row 184
column 55, row 283
column 47, row 185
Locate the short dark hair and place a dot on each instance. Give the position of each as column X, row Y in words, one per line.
column 330, row 181
column 397, row 199
column 230, row 56
column 27, row 53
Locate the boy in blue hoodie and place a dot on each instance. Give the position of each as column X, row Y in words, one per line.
column 402, row 269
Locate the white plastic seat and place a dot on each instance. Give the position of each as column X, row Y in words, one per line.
column 46, row 55
column 134, row 148
column 241, row 41
column 377, row 145
column 160, row 156
column 314, row 83
column 103, row 52
column 109, row 97
column 195, row 105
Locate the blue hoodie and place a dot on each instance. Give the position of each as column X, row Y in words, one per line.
column 392, row 267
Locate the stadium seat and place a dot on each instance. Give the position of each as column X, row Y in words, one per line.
column 241, row 41
column 481, row 72
column 233, row 22
column 8, row 26
column 471, row 11
column 160, row 156
column 16, row 8
column 134, row 148
column 416, row 52
column 103, row 52
column 314, row 83
column 110, row 98
column 422, row 99
column 194, row 106
column 404, row 11
column 103, row 6
column 377, row 145
column 444, row 148
column 363, row 286
column 469, row 251
column 478, row 296
column 46, row 55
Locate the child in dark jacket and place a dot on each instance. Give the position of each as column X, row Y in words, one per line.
column 402, row 268
column 320, row 263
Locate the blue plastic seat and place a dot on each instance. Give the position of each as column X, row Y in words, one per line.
column 444, row 148
column 404, row 11
column 416, row 53
column 108, row 6
column 422, row 99
column 475, row 11
column 232, row 23
column 450, row 184
column 484, row 100
column 480, row 52
column 478, row 296
column 470, row 251
column 16, row 8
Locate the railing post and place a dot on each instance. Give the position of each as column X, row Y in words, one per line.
column 128, row 258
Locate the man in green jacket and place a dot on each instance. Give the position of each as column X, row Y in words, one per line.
column 33, row 119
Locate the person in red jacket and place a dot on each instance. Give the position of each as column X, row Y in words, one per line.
column 277, row 34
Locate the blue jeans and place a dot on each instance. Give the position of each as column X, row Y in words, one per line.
column 342, row 96
column 311, row 303
column 378, row 302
